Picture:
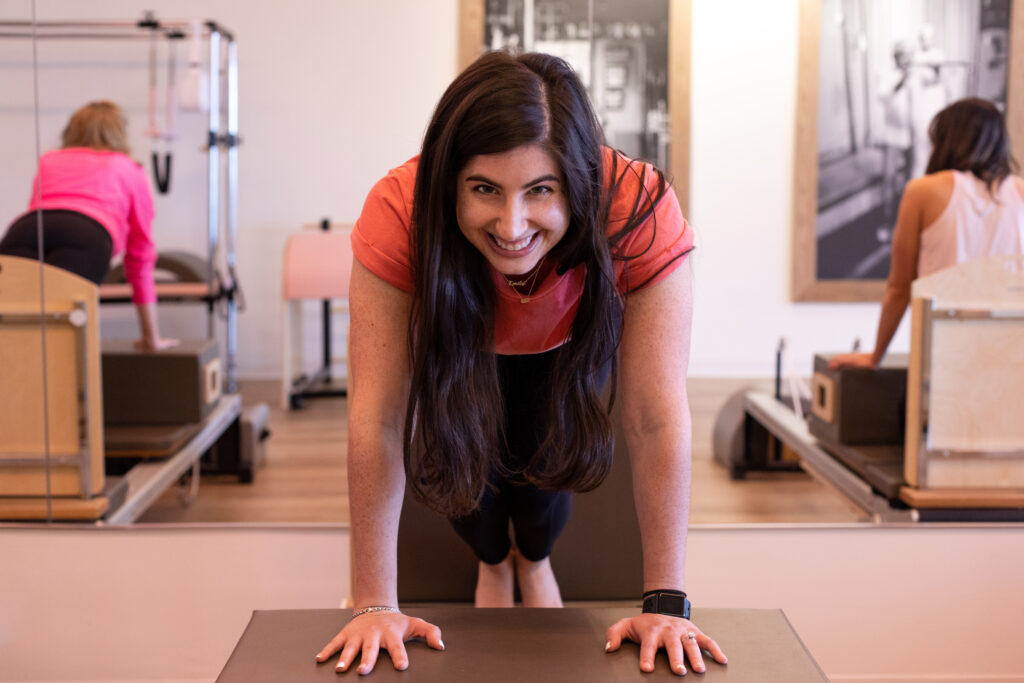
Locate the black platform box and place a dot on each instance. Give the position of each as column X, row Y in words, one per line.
column 856, row 406
column 172, row 386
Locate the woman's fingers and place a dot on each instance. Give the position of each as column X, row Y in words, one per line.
column 418, row 628
column 615, row 634
column 349, row 654
column 712, row 647
column 676, row 658
column 648, row 649
column 396, row 649
column 693, row 651
column 371, row 648
column 330, row 648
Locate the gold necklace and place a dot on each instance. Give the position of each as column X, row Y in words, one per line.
column 525, row 298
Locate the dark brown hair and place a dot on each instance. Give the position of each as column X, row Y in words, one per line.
column 454, row 423
column 970, row 135
column 97, row 125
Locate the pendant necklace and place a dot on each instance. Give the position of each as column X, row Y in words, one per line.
column 532, row 280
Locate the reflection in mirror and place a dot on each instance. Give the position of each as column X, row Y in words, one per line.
column 94, row 201
column 27, row 472
column 304, row 478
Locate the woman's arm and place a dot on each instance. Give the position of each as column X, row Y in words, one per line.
column 918, row 196
column 654, row 357
column 140, row 258
column 378, row 389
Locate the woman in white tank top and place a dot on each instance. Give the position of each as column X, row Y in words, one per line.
column 968, row 205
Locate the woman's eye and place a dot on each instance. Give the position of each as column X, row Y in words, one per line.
column 541, row 190
column 485, row 189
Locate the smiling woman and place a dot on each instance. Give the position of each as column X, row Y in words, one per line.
column 491, row 394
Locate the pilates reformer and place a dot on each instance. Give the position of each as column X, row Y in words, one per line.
column 213, row 90
column 54, row 462
column 950, row 448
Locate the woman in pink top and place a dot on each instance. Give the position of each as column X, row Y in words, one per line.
column 501, row 278
column 969, row 205
column 94, row 203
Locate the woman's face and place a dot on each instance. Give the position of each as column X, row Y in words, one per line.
column 512, row 207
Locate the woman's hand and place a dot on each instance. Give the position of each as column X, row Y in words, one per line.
column 368, row 633
column 852, row 360
column 654, row 631
column 157, row 344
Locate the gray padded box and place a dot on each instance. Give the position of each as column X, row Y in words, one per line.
column 173, row 386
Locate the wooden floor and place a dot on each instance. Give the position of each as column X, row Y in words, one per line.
column 304, row 477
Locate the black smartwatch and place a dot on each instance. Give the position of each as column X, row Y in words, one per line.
column 668, row 602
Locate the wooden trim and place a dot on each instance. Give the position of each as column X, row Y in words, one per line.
column 471, row 32
column 679, row 14
column 915, row 368
column 805, row 286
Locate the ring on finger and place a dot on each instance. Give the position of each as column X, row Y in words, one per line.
column 691, row 636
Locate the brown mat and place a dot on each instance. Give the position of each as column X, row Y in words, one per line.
column 147, row 441
column 515, row 645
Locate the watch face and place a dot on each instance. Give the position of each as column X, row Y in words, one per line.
column 670, row 604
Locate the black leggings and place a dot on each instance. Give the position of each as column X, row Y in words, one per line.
column 538, row 517
column 71, row 240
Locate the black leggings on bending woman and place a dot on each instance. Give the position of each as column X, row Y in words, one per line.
column 538, row 517
column 71, row 240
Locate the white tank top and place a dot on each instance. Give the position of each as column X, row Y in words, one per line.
column 974, row 225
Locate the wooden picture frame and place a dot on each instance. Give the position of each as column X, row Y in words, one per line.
column 805, row 285
column 470, row 46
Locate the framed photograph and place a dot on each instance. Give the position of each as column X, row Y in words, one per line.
column 634, row 58
column 872, row 74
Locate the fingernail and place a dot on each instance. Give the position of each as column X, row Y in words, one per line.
column 699, row 669
column 608, row 646
column 318, row 658
column 442, row 643
column 681, row 669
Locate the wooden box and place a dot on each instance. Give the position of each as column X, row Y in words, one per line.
column 173, row 386
column 856, row 406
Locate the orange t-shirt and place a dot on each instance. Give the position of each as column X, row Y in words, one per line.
column 380, row 241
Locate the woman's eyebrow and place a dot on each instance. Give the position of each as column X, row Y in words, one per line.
column 476, row 178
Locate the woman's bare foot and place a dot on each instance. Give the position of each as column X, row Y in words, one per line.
column 537, row 584
column 495, row 583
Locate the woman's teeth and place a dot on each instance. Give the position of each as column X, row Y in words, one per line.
column 513, row 246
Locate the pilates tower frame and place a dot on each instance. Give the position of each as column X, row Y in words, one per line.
column 222, row 141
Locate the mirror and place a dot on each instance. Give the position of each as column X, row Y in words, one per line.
column 324, row 112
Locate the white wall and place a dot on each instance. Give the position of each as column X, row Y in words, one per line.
column 168, row 604
column 335, row 93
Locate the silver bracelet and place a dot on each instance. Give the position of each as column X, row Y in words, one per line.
column 375, row 608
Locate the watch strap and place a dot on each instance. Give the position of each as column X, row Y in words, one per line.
column 669, row 602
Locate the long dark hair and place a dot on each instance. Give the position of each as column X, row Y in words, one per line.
column 970, row 135
column 455, row 419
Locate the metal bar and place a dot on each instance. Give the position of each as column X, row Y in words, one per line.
column 82, row 377
column 148, row 480
column 232, row 231
column 975, row 314
column 38, row 460
column 36, row 318
column 790, row 429
column 920, row 462
column 213, row 174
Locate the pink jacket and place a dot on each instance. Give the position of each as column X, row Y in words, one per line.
column 112, row 189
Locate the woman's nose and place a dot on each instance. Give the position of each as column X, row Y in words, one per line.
column 513, row 222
